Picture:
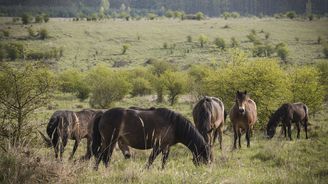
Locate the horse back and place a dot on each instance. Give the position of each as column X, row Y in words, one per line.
column 252, row 111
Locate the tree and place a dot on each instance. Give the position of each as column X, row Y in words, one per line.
column 203, row 39
column 23, row 90
column 26, row 18
column 282, row 51
column 220, row 43
column 200, row 16
column 175, row 83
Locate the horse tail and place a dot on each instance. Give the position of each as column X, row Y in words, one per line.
column 204, row 117
column 51, row 131
column 96, row 137
column 306, row 110
column 46, row 139
column 225, row 113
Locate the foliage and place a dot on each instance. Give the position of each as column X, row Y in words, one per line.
column 234, row 42
column 14, row 50
column 227, row 15
column 38, row 19
column 169, row 14
column 53, row 53
column 31, row 32
column 23, row 90
column 200, row 16
column 175, row 83
column 45, row 18
column 265, row 81
column 291, row 14
column 189, row 38
column 15, row 19
column 263, row 50
column 325, row 50
column 220, row 43
column 267, row 35
column 125, row 48
column 140, row 87
column 106, row 86
column 305, row 80
column 152, row 16
column 5, row 33
column 198, row 73
column 43, row 33
column 322, row 67
column 203, row 39
column 282, row 51
column 26, row 18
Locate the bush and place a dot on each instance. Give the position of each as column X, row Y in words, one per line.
column 189, row 39
column 45, row 18
column 43, row 33
column 325, row 50
column 322, row 67
column 234, row 42
column 31, row 32
column 165, row 45
column 26, row 18
column 252, row 37
column 125, row 48
column 306, row 88
column 169, row 14
column 38, row 19
column 106, row 86
column 263, row 50
column 267, row 35
column 14, row 51
column 291, row 14
column 15, row 19
column 282, row 51
column 200, row 16
column 140, row 87
column 266, row 82
column 175, row 83
column 297, row 39
column 319, row 40
column 151, row 16
column 220, row 43
column 203, row 39
column 5, row 33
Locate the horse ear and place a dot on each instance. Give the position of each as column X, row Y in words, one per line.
column 237, row 92
column 245, row 92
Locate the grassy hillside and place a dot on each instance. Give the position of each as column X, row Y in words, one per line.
column 88, row 43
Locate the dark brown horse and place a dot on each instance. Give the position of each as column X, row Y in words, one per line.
column 243, row 116
column 289, row 113
column 156, row 129
column 208, row 116
column 64, row 125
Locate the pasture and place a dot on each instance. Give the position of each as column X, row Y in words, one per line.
column 86, row 44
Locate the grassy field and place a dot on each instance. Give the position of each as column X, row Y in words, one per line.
column 86, row 44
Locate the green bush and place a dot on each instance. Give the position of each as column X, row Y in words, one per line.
column 45, row 18
column 43, row 33
column 220, row 43
column 291, row 14
column 140, row 87
column 267, row 84
column 169, row 14
column 5, row 33
column 263, row 50
column 31, row 32
column 267, row 35
column 200, row 16
column 189, row 38
column 175, row 83
column 198, row 73
column 38, row 19
column 152, row 16
column 125, row 48
column 106, row 86
column 14, row 51
column 203, row 39
column 319, row 40
column 306, row 87
column 15, row 19
column 282, row 51
column 26, row 18
column 165, row 46
column 325, row 50
column 234, row 42
column 322, row 67
column 252, row 37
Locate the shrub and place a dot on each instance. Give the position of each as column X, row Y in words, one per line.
column 31, row 32
column 226, row 26
column 282, row 51
column 266, row 82
column 140, row 87
column 322, row 67
column 38, row 19
column 252, row 37
column 125, row 48
column 263, row 50
column 311, row 17
column 106, row 86
column 5, row 33
column 169, row 14
column 14, row 51
column 175, row 83
column 203, row 39
column 43, row 33
column 319, row 40
column 325, row 50
column 267, row 35
column 291, row 14
column 151, row 16
column 15, row 19
column 235, row 15
column 26, row 18
column 189, row 39
column 220, row 43
column 234, row 42
column 200, row 16
column 165, row 45
column 297, row 39
column 198, row 73
column 45, row 18
column 306, row 87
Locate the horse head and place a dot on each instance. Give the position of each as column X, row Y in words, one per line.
column 241, row 100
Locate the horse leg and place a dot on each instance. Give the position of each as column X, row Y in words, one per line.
column 220, row 130
column 239, row 137
column 289, row 131
column 56, row 148
column 305, row 128
column 235, row 137
column 248, row 136
column 285, row 130
column 154, row 153
column 76, row 144
column 298, row 129
column 124, row 148
column 87, row 155
column 62, row 147
column 165, row 153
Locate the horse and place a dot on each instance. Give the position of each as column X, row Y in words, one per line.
column 157, row 129
column 243, row 116
column 209, row 116
column 64, row 125
column 289, row 113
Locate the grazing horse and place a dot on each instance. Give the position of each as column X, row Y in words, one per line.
column 64, row 125
column 243, row 116
column 208, row 115
column 156, row 128
column 289, row 113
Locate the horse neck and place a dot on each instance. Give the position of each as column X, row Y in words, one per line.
column 188, row 136
column 276, row 116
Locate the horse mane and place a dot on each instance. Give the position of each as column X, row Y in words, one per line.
column 184, row 130
column 277, row 115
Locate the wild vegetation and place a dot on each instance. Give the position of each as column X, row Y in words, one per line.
column 168, row 62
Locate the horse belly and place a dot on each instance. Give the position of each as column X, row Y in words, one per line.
column 137, row 138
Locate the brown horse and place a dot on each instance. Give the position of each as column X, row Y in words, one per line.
column 156, row 129
column 64, row 125
column 289, row 113
column 243, row 116
column 209, row 117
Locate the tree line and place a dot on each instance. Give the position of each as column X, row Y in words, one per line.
column 209, row 7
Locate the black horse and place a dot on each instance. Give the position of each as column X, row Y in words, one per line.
column 289, row 113
column 156, row 129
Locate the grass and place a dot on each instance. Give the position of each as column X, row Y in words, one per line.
column 86, row 44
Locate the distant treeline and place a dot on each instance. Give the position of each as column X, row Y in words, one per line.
column 70, row 8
